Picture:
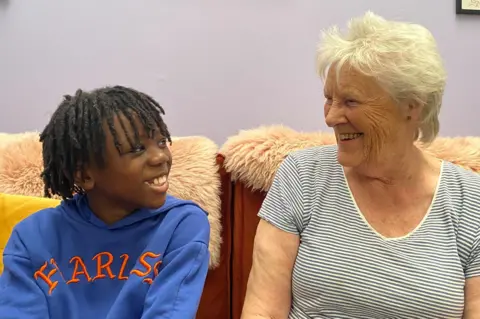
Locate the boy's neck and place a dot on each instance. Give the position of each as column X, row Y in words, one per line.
column 106, row 210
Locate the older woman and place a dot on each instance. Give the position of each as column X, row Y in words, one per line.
column 371, row 227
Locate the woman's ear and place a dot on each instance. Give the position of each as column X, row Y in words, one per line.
column 414, row 111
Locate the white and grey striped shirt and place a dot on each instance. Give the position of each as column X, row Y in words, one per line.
column 344, row 269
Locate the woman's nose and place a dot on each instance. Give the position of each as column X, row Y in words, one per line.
column 335, row 115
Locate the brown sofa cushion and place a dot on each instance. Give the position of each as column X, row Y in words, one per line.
column 216, row 297
column 194, row 175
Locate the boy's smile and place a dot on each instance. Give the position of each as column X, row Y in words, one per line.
column 159, row 184
column 135, row 174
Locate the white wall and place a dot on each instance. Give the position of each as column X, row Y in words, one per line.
column 216, row 66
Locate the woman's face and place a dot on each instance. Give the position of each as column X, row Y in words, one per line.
column 368, row 124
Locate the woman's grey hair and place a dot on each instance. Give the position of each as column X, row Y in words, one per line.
column 402, row 57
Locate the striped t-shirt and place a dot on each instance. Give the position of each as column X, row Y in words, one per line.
column 344, row 269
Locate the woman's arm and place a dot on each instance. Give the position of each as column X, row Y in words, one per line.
column 472, row 298
column 282, row 219
column 270, row 281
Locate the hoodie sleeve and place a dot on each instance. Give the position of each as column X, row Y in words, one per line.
column 175, row 292
column 20, row 296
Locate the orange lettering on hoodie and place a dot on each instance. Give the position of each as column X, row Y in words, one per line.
column 121, row 274
column 146, row 265
column 52, row 284
column 104, row 266
column 78, row 264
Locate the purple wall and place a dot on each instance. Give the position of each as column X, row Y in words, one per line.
column 216, row 66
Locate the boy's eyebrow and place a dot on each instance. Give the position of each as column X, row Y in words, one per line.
column 124, row 140
column 124, row 137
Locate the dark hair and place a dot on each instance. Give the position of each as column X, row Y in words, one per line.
column 75, row 134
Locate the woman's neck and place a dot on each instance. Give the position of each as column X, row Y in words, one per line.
column 402, row 169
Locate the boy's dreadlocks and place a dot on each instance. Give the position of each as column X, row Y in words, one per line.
column 75, row 132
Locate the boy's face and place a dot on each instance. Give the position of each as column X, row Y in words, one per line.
column 137, row 177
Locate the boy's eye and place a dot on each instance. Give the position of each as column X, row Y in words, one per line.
column 141, row 148
column 162, row 142
column 137, row 149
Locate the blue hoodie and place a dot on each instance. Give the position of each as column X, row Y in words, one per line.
column 64, row 262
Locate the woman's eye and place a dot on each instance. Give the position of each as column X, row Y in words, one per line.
column 350, row 102
column 328, row 100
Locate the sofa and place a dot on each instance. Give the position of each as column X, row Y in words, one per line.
column 240, row 173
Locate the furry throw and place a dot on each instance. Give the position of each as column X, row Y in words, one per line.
column 253, row 156
column 194, row 175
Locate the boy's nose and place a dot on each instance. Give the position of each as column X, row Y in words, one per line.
column 158, row 156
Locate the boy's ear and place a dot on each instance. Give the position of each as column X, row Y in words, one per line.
column 84, row 178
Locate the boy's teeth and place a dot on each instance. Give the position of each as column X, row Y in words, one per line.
column 159, row 180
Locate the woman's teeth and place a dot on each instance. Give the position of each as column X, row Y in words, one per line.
column 349, row 136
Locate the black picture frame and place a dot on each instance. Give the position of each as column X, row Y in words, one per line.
column 461, row 10
column 4, row 4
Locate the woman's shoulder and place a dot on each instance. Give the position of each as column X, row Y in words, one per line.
column 460, row 197
column 462, row 190
column 461, row 181
column 315, row 158
column 316, row 153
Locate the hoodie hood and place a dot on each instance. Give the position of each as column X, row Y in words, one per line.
column 79, row 203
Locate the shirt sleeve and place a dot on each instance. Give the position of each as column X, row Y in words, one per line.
column 283, row 205
column 175, row 293
column 465, row 189
column 473, row 267
column 20, row 296
column 472, row 264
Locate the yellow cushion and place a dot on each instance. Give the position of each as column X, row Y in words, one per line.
column 14, row 208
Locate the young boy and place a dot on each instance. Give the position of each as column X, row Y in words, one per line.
column 117, row 246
